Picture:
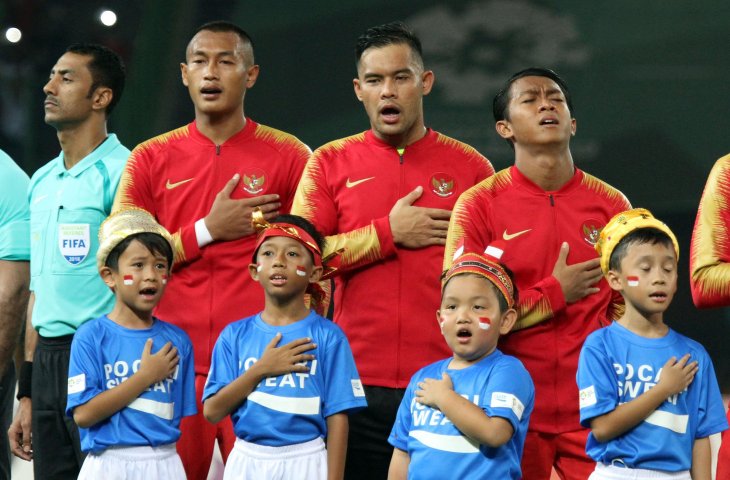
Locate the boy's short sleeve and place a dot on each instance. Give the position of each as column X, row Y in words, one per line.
column 403, row 420
column 85, row 374
column 223, row 368
column 597, row 383
column 190, row 404
column 344, row 390
column 711, row 411
column 510, row 393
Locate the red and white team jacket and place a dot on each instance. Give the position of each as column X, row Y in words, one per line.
column 530, row 225
column 709, row 261
column 176, row 177
column 386, row 297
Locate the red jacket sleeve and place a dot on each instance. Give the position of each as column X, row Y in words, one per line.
column 135, row 191
column 709, row 261
column 314, row 201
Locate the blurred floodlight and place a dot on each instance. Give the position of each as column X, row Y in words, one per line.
column 13, row 35
column 108, row 18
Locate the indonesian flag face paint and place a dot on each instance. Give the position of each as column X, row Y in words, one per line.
column 632, row 281
column 485, row 323
column 164, row 279
column 259, row 268
column 301, row 271
column 128, row 280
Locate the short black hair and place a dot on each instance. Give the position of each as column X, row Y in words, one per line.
column 501, row 100
column 305, row 225
column 106, row 67
column 155, row 243
column 639, row 236
column 222, row 26
column 393, row 33
column 503, row 307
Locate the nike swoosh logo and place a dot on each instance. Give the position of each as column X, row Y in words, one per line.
column 39, row 199
column 170, row 186
column 350, row 184
column 510, row 236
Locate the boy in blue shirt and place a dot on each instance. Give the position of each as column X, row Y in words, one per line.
column 284, row 400
column 466, row 416
column 127, row 400
column 648, row 394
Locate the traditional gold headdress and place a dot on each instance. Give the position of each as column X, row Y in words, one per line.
column 624, row 223
column 122, row 224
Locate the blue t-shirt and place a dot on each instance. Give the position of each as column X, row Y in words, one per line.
column 104, row 354
column 66, row 210
column 616, row 366
column 14, row 214
column 290, row 408
column 501, row 386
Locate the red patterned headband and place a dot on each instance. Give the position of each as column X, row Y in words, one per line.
column 268, row 230
column 482, row 266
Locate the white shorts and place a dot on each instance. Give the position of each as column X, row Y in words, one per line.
column 134, row 463
column 249, row 461
column 613, row 472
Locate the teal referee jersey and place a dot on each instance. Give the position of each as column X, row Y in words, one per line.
column 66, row 210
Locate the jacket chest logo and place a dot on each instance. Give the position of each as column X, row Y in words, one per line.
column 590, row 230
column 254, row 181
column 443, row 184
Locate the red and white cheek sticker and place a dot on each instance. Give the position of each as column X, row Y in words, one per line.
column 485, row 323
column 164, row 279
column 259, row 268
column 128, row 280
column 632, row 281
column 301, row 271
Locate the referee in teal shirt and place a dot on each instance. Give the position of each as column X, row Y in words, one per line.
column 69, row 198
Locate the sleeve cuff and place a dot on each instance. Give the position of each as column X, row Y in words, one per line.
column 554, row 293
column 385, row 236
column 202, row 235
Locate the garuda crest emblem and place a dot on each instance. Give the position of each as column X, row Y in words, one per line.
column 254, row 182
column 442, row 184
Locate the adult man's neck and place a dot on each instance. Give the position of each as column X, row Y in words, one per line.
column 548, row 169
column 402, row 141
column 220, row 128
column 78, row 141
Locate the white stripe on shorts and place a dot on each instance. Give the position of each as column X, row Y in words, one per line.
column 612, row 472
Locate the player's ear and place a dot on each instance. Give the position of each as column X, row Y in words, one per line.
column 428, row 78
column 440, row 320
column 253, row 270
column 107, row 277
column 614, row 280
column 357, row 88
column 253, row 75
column 184, row 73
column 316, row 274
column 504, row 129
column 508, row 321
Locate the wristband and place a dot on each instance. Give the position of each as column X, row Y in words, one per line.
column 202, row 234
column 25, row 380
